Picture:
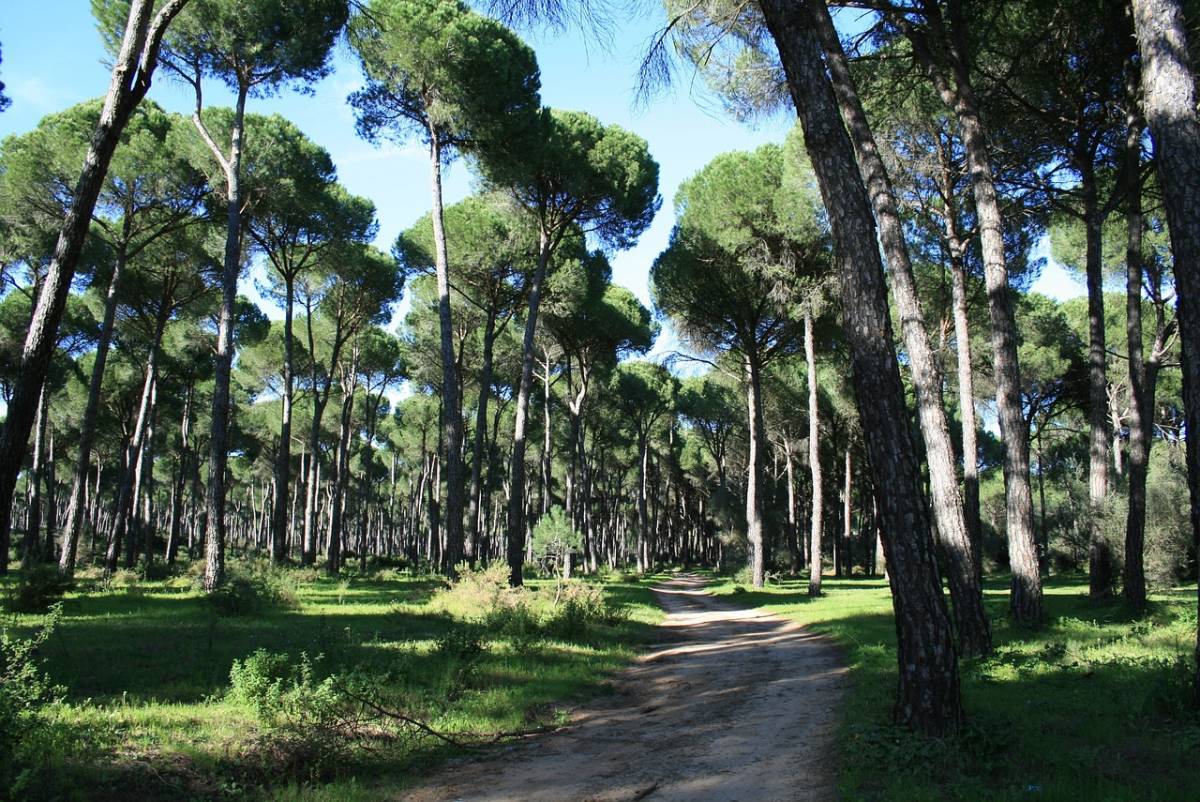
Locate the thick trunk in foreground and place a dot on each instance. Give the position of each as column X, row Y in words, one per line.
column 516, row 497
column 218, row 454
column 928, row 693
column 973, row 630
column 1169, row 92
column 131, row 76
column 1141, row 408
column 452, row 423
column 1100, row 567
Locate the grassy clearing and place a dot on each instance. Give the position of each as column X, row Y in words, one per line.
column 1089, row 707
column 146, row 668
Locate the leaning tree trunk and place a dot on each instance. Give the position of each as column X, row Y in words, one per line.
column 928, row 695
column 452, row 422
column 754, row 471
column 131, row 76
column 1169, row 91
column 816, row 563
column 1026, row 598
column 516, row 498
column 218, row 453
column 973, row 630
column 87, row 426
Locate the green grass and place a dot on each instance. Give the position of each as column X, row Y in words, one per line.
column 146, row 669
column 1091, row 706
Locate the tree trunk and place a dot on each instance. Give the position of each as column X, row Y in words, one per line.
column 131, row 76
column 174, row 530
column 956, row 247
column 951, row 529
column 1100, row 578
column 341, row 476
column 816, row 563
column 1169, row 92
column 516, row 499
column 928, row 693
column 754, row 469
column 474, row 510
column 283, row 450
column 33, row 520
column 124, row 508
column 1026, row 597
column 218, row 454
column 87, row 426
column 1141, row 410
column 643, row 549
column 452, row 422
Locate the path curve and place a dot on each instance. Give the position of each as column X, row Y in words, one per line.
column 738, row 706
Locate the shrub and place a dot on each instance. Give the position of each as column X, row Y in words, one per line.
column 481, row 595
column 554, row 541
column 305, row 721
column 253, row 589
column 578, row 608
column 38, row 589
column 28, row 735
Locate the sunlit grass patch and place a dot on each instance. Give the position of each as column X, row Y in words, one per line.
column 1090, row 706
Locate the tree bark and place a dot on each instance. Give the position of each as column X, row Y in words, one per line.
column 1169, row 92
column 218, row 454
column 928, row 694
column 87, row 426
column 480, row 438
column 516, row 499
column 33, row 520
column 1025, row 601
column 341, row 476
column 1141, row 409
column 956, row 248
column 283, row 450
column 754, row 471
column 452, row 422
column 1100, row 576
column 816, row 562
column 131, row 77
column 951, row 529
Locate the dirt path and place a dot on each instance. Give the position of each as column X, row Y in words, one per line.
column 738, row 706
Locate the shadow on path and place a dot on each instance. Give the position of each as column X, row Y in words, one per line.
column 734, row 705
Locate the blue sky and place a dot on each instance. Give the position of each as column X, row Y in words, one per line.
column 52, row 59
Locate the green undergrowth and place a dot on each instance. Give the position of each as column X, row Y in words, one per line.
column 147, row 708
column 1091, row 706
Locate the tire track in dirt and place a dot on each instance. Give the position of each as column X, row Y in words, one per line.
column 734, row 706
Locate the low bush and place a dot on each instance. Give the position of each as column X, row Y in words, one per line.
column 253, row 589
column 37, row 590
column 29, row 735
column 580, row 607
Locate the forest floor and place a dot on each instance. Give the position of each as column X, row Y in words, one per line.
column 150, row 711
column 735, row 705
column 1091, row 706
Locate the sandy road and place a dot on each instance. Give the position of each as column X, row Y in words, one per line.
column 735, row 706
